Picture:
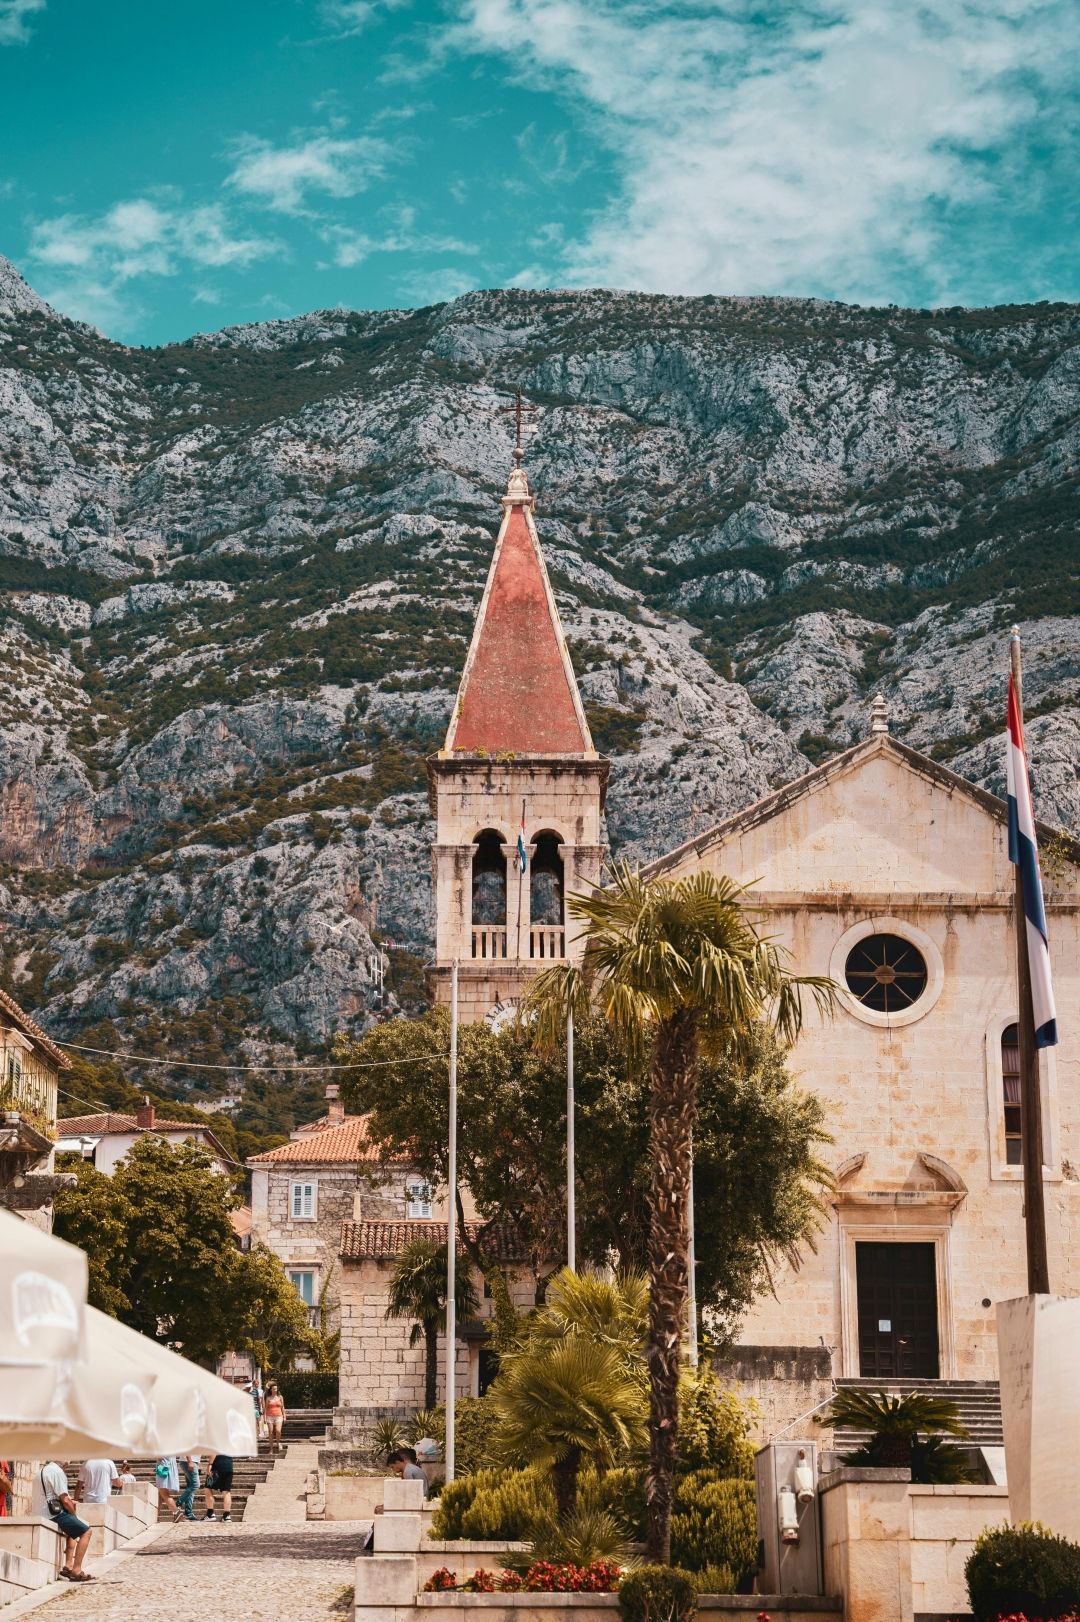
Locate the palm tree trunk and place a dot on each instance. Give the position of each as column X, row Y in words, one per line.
column 672, row 1106
column 431, row 1362
column 564, row 1473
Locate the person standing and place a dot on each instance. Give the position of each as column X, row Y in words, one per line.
column 220, row 1479
column 126, row 1480
column 185, row 1504
column 53, row 1499
column 167, row 1476
column 95, row 1481
column 274, row 1409
column 7, row 1486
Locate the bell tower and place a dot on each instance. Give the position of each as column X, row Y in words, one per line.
column 517, row 789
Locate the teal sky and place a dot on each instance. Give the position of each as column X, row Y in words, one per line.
column 177, row 167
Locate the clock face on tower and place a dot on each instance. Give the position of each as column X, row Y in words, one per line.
column 503, row 1014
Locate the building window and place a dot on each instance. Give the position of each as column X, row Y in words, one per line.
column 417, row 1199
column 14, row 1067
column 885, row 973
column 302, row 1202
column 303, row 1281
column 546, row 881
column 488, row 879
column 1010, row 1086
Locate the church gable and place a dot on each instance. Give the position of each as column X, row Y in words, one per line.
column 878, row 818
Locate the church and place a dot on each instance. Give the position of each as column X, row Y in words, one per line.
column 879, row 868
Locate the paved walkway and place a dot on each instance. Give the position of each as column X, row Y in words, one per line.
column 239, row 1573
column 282, row 1496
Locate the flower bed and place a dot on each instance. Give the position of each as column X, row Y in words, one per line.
column 542, row 1577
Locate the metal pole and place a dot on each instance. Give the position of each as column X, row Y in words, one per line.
column 571, row 1203
column 451, row 1231
column 1038, row 1267
column 691, row 1273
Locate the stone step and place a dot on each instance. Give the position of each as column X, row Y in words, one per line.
column 978, row 1403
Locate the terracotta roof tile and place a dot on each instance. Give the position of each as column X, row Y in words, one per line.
column 380, row 1241
column 518, row 692
column 31, row 1028
column 74, row 1126
column 343, row 1144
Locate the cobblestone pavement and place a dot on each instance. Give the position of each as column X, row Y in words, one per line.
column 234, row 1573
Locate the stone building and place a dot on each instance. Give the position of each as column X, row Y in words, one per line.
column 518, row 762
column 337, row 1214
column 30, row 1066
column 889, row 873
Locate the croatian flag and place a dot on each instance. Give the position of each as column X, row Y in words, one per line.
column 521, row 841
column 1024, row 854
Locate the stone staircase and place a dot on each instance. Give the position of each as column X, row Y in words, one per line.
column 247, row 1475
column 978, row 1401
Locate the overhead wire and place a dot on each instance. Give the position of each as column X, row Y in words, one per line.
column 250, row 1069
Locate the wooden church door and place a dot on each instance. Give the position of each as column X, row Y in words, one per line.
column 897, row 1302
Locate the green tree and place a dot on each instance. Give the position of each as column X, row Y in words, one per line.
column 676, row 968
column 418, row 1291
column 756, row 1143
column 97, row 1217
column 163, row 1257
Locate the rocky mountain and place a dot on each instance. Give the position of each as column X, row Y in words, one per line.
column 239, row 574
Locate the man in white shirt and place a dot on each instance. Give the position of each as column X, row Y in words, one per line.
column 96, row 1479
column 52, row 1499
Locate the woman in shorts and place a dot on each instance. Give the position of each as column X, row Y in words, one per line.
column 274, row 1411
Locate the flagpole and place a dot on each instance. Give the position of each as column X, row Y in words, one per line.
column 571, row 1203
column 691, row 1273
column 1038, row 1268
column 521, row 870
column 451, row 1232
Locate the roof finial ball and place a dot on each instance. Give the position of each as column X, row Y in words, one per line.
column 879, row 715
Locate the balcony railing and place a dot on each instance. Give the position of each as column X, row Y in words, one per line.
column 26, row 1086
column 489, row 941
column 547, row 941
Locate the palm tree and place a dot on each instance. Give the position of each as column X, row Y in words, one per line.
column 612, row 1311
column 676, row 968
column 563, row 1401
column 894, row 1423
column 418, row 1291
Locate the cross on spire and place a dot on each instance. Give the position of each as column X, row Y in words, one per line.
column 519, row 411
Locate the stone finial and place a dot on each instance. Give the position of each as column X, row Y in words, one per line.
column 879, row 715
column 517, row 486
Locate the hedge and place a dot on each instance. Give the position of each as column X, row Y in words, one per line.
column 306, row 1389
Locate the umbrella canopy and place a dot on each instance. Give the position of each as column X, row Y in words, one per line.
column 42, row 1296
column 129, row 1395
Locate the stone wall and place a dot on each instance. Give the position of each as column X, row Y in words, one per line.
column 913, row 1100
column 785, row 1383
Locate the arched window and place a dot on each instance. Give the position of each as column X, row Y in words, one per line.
column 546, row 882
column 1010, row 1084
column 488, row 879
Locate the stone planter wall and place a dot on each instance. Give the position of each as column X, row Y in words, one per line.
column 897, row 1551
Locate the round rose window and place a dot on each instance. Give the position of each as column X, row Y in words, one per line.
column 885, row 973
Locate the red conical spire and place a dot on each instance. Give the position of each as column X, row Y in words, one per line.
column 518, row 694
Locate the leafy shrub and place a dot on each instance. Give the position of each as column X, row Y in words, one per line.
column 386, row 1435
column 714, row 1522
column 621, row 1492
column 427, row 1422
column 715, row 1580
column 585, row 1536
column 306, row 1389
column 542, row 1577
column 511, row 1508
column 657, row 1594
column 474, row 1425
column 1024, row 1568
column 714, row 1427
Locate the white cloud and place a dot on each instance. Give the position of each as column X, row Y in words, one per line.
column 437, row 286
column 399, row 234
column 798, row 149
column 96, row 258
column 13, row 20
column 282, row 176
column 345, row 18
